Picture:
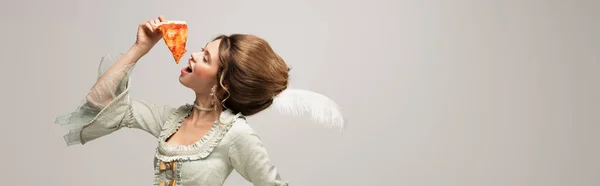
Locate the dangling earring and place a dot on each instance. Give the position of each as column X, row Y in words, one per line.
column 212, row 95
column 212, row 101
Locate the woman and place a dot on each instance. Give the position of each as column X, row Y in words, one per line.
column 200, row 143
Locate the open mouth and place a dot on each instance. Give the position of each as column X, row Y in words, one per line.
column 186, row 70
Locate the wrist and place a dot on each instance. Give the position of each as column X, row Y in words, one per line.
column 137, row 50
column 140, row 48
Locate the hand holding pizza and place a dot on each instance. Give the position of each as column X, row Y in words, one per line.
column 174, row 34
column 148, row 33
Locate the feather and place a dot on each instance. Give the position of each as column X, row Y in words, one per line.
column 298, row 102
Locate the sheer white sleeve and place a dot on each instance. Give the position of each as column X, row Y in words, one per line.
column 107, row 107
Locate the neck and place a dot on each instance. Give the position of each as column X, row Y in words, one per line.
column 203, row 110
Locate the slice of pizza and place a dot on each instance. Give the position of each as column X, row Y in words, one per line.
column 175, row 36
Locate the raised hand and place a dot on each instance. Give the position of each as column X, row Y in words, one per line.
column 148, row 34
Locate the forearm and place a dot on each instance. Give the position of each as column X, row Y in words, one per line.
column 134, row 53
column 107, row 86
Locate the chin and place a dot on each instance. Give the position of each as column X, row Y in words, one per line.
column 183, row 82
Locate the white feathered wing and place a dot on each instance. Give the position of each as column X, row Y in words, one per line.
column 298, row 102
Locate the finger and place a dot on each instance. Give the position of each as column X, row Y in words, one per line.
column 154, row 24
column 150, row 26
column 151, row 22
column 161, row 18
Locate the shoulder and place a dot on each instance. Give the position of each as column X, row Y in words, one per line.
column 243, row 139
column 237, row 125
column 170, row 116
column 154, row 108
column 242, row 135
column 241, row 129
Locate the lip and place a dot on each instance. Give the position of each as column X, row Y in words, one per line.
column 183, row 71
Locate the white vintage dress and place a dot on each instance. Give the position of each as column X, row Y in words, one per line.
column 233, row 144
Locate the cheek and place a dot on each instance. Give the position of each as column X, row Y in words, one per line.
column 204, row 71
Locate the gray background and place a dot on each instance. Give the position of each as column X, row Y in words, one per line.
column 435, row 92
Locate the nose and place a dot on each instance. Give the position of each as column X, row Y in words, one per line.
column 193, row 56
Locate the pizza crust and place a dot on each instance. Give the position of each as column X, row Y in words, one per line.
column 171, row 22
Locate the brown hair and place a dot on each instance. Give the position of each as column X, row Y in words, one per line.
column 250, row 73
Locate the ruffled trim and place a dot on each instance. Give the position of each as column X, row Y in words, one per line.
column 199, row 150
column 75, row 121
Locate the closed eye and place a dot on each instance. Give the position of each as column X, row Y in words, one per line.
column 204, row 55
